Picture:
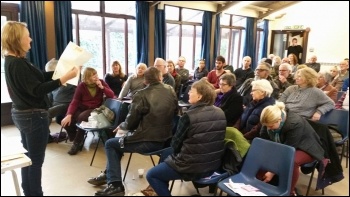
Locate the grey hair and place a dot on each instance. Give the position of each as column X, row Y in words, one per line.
column 289, row 67
column 230, row 78
column 263, row 85
column 326, row 75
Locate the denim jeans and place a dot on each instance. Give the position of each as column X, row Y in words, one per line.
column 34, row 129
column 159, row 176
column 114, row 155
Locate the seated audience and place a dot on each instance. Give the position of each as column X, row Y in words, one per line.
column 289, row 128
column 116, row 78
column 249, row 123
column 149, row 125
column 88, row 96
column 160, row 64
column 183, row 72
column 176, row 76
column 60, row 98
column 201, row 71
column 343, row 101
column 293, row 61
column 304, row 98
column 214, row 75
column 324, row 83
column 262, row 71
column 343, row 74
column 228, row 99
column 285, row 60
column 276, row 62
column 284, row 79
column 198, row 143
column 134, row 83
column 334, row 72
column 313, row 64
column 245, row 72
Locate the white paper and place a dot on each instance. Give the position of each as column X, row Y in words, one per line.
column 72, row 56
column 243, row 189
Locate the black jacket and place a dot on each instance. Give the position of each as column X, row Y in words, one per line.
column 151, row 114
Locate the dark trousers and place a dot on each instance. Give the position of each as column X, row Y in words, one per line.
column 73, row 132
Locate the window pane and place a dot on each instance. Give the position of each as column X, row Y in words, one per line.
column 187, row 45
column 238, row 21
column 115, row 42
column 121, row 7
column 132, row 46
column 91, row 40
column 225, row 19
column 192, row 15
column 172, row 13
column 197, row 55
column 173, row 41
column 225, row 36
column 86, row 5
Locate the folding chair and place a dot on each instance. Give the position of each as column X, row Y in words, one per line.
column 120, row 111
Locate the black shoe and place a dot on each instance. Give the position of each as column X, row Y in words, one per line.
column 101, row 179
column 110, row 190
column 74, row 149
column 51, row 139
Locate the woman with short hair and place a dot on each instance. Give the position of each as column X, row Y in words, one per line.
column 324, row 83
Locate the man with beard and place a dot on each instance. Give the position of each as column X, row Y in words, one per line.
column 215, row 74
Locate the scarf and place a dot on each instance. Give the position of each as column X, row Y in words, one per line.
column 275, row 134
column 173, row 73
column 92, row 89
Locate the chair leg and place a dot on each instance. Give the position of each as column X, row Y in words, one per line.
column 172, row 185
column 93, row 157
column 310, row 181
column 127, row 167
column 347, row 153
column 152, row 160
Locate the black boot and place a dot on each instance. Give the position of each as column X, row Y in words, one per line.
column 74, row 149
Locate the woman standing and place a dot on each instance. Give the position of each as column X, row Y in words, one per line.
column 116, row 78
column 28, row 88
column 88, row 96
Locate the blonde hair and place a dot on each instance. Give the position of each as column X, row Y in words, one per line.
column 140, row 65
column 301, row 66
column 272, row 113
column 205, row 89
column 11, row 36
column 88, row 72
column 263, row 85
column 121, row 73
column 309, row 75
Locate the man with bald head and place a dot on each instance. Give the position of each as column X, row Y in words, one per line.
column 160, row 64
column 313, row 64
column 245, row 72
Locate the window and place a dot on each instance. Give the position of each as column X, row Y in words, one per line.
column 9, row 11
column 184, row 34
column 232, row 38
column 107, row 30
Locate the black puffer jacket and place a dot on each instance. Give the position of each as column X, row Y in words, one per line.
column 203, row 146
column 151, row 114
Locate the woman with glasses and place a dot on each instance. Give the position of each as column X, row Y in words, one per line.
column 228, row 99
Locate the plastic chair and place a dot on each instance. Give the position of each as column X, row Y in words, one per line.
column 183, row 101
column 120, row 111
column 270, row 156
column 312, row 167
column 340, row 118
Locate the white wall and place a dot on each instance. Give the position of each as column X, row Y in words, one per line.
column 329, row 24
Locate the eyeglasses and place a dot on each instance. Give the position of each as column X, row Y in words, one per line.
column 260, row 70
column 223, row 84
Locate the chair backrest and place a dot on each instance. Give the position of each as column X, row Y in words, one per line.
column 270, row 156
column 338, row 117
column 119, row 108
column 185, row 95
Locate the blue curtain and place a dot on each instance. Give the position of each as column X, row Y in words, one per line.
column 216, row 39
column 142, row 26
column 159, row 33
column 63, row 25
column 206, row 33
column 249, row 45
column 33, row 13
column 265, row 39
